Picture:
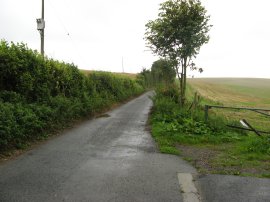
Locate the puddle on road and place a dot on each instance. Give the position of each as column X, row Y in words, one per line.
column 103, row 116
column 121, row 152
column 103, row 166
column 134, row 138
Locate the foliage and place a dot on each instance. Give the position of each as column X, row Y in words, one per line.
column 180, row 120
column 38, row 95
column 177, row 34
column 235, row 152
column 162, row 72
column 145, row 78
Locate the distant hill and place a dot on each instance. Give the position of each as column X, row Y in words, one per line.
column 234, row 91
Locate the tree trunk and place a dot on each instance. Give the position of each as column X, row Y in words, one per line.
column 176, row 68
column 182, row 95
column 180, row 87
column 184, row 82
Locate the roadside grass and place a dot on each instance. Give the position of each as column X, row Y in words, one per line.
column 211, row 147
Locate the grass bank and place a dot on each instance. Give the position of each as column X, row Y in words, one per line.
column 211, row 147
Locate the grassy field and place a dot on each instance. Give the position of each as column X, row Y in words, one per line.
column 235, row 91
column 213, row 147
column 238, row 92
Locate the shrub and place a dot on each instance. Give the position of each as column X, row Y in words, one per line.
column 18, row 123
column 181, row 121
column 39, row 94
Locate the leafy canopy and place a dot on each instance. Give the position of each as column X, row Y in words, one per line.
column 163, row 72
column 177, row 35
column 180, row 30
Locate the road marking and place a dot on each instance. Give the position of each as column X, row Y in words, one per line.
column 188, row 189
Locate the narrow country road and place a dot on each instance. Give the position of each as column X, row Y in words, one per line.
column 111, row 158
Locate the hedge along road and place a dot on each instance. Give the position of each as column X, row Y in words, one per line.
column 111, row 158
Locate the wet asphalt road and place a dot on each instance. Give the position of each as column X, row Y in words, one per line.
column 106, row 159
column 113, row 158
column 228, row 188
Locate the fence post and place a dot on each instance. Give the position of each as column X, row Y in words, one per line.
column 206, row 113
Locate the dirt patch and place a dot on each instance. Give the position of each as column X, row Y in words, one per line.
column 200, row 157
column 103, row 116
column 209, row 160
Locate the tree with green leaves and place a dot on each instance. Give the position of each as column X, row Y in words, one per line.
column 145, row 78
column 163, row 72
column 177, row 35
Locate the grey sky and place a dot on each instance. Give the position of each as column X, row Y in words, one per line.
column 96, row 34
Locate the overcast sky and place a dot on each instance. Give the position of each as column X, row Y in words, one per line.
column 96, row 34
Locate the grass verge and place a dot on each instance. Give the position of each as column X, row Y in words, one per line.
column 211, row 147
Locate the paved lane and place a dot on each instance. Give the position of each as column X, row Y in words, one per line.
column 106, row 159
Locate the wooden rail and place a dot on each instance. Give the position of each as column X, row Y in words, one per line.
column 246, row 124
column 257, row 110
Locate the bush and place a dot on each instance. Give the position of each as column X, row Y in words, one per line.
column 177, row 121
column 171, row 92
column 18, row 124
column 39, row 94
column 12, row 97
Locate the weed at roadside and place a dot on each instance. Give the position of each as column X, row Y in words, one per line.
column 239, row 153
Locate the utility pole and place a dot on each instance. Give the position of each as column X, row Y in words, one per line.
column 123, row 64
column 41, row 28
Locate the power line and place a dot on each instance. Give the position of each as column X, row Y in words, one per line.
column 68, row 33
column 123, row 64
column 59, row 19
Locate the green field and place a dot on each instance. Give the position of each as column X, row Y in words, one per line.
column 236, row 92
column 211, row 146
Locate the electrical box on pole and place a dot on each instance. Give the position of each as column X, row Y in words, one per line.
column 41, row 28
column 40, row 24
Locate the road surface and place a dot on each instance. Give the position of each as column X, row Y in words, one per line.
column 111, row 158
